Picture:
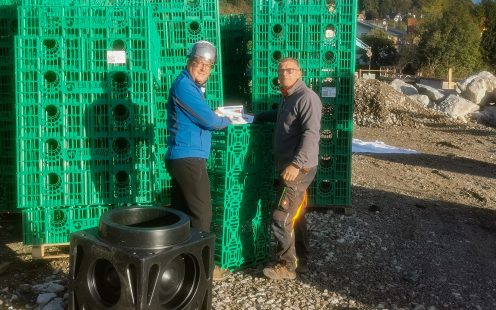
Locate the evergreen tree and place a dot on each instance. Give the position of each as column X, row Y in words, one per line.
column 488, row 38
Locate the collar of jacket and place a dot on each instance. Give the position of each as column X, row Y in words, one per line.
column 286, row 92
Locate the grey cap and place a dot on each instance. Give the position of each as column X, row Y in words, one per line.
column 203, row 49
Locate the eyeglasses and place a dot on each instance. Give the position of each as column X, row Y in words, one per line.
column 202, row 64
column 288, row 70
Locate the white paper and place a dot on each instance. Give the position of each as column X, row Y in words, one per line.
column 236, row 114
column 231, row 109
column 242, row 119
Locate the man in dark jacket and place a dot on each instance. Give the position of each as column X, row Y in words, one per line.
column 296, row 150
column 189, row 123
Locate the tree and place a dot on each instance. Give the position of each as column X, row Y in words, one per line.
column 385, row 7
column 371, row 14
column 367, row 5
column 450, row 38
column 403, row 6
column 488, row 38
column 383, row 51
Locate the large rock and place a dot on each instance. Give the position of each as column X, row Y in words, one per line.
column 487, row 116
column 479, row 88
column 422, row 99
column 461, row 86
column 403, row 87
column 456, row 106
column 431, row 92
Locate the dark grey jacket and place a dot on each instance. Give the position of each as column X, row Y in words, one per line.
column 297, row 131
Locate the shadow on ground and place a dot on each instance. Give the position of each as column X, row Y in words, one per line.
column 405, row 252
column 462, row 129
column 446, row 163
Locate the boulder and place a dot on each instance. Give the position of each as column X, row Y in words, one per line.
column 461, row 86
column 487, row 116
column 403, row 87
column 422, row 99
column 457, row 107
column 480, row 88
column 431, row 92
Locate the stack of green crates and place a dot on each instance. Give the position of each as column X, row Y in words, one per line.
column 8, row 29
column 180, row 24
column 91, row 128
column 321, row 35
column 85, row 83
column 241, row 176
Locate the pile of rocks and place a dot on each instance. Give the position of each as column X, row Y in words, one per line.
column 49, row 295
column 378, row 104
column 399, row 103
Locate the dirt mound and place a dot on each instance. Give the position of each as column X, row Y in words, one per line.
column 379, row 105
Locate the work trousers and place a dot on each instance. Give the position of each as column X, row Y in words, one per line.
column 191, row 190
column 288, row 219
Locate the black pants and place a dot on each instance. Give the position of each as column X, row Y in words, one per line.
column 288, row 219
column 191, row 190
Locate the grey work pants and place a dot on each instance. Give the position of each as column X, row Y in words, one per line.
column 284, row 224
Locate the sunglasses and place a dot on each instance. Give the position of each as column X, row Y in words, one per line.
column 288, row 70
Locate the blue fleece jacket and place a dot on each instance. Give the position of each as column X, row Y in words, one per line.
column 190, row 120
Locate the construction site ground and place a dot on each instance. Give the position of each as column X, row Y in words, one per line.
column 422, row 231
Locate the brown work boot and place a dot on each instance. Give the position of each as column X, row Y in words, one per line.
column 279, row 272
column 220, row 274
column 302, row 266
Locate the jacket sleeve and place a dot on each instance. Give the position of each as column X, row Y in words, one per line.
column 189, row 99
column 265, row 117
column 310, row 111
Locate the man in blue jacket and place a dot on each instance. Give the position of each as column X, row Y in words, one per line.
column 189, row 123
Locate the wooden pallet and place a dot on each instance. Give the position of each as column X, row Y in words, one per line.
column 49, row 251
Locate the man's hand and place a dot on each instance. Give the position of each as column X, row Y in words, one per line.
column 290, row 173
